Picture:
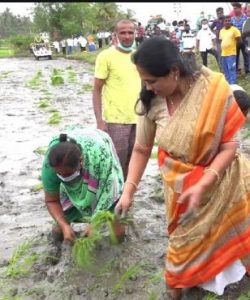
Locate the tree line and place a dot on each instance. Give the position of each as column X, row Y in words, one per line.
column 65, row 19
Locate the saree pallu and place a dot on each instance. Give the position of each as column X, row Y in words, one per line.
column 219, row 234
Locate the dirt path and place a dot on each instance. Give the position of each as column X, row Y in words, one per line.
column 132, row 270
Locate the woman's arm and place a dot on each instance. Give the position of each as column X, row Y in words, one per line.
column 54, row 206
column 137, row 165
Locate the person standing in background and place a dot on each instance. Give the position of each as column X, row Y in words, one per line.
column 230, row 37
column 238, row 21
column 116, row 89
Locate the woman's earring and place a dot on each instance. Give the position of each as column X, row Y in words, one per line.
column 176, row 77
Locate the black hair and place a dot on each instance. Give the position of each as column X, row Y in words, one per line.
column 158, row 56
column 219, row 9
column 242, row 99
column 236, row 4
column 174, row 23
column 67, row 153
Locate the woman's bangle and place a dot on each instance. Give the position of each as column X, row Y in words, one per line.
column 211, row 170
column 132, row 183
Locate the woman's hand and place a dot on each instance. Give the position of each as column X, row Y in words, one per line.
column 123, row 206
column 193, row 195
column 68, row 233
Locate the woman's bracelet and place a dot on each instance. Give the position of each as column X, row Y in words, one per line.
column 211, row 170
column 132, row 183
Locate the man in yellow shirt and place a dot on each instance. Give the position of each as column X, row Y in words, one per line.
column 116, row 89
column 229, row 36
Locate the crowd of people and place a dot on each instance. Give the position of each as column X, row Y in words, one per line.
column 157, row 92
column 224, row 38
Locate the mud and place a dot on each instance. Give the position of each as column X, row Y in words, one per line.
column 47, row 270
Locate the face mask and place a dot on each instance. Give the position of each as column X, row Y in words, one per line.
column 181, row 27
column 124, row 48
column 71, row 177
column 204, row 26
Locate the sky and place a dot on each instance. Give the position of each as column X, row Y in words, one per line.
column 143, row 11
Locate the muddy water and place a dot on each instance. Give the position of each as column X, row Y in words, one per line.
column 24, row 128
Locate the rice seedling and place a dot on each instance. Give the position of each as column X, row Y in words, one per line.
column 69, row 68
column 87, row 87
column 84, row 246
column 43, row 104
column 37, row 187
column 152, row 296
column 132, row 272
column 107, row 268
column 21, row 261
column 35, row 82
column 55, row 118
column 72, row 76
column 53, row 110
column 40, row 150
column 56, row 77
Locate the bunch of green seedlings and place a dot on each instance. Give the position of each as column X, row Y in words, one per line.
column 84, row 246
column 55, row 118
column 35, row 82
column 22, row 260
column 56, row 77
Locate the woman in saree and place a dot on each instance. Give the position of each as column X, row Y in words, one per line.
column 194, row 118
column 81, row 175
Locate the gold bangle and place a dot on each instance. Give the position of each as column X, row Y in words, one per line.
column 132, row 183
column 211, row 170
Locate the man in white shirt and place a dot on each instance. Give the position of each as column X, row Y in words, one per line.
column 188, row 46
column 205, row 43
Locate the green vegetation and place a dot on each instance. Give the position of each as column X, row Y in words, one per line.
column 37, row 187
column 84, row 247
column 56, row 77
column 55, row 118
column 40, row 150
column 87, row 87
column 6, row 52
column 131, row 272
column 72, row 76
column 35, row 82
column 5, row 74
column 43, row 104
column 22, row 260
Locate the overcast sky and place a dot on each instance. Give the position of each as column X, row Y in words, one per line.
column 188, row 10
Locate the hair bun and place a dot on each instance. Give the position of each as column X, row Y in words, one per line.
column 63, row 137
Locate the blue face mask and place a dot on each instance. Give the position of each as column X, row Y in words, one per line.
column 124, row 48
column 71, row 177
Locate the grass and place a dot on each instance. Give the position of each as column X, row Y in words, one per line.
column 43, row 104
column 5, row 52
column 5, row 74
column 72, row 76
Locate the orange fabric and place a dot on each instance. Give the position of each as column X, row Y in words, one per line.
column 219, row 119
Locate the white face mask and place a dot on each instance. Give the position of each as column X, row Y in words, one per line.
column 181, row 27
column 124, row 48
column 71, row 177
column 205, row 26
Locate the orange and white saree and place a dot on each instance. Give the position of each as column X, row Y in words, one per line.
column 219, row 234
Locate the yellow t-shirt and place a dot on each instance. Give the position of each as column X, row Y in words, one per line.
column 228, row 40
column 122, row 85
